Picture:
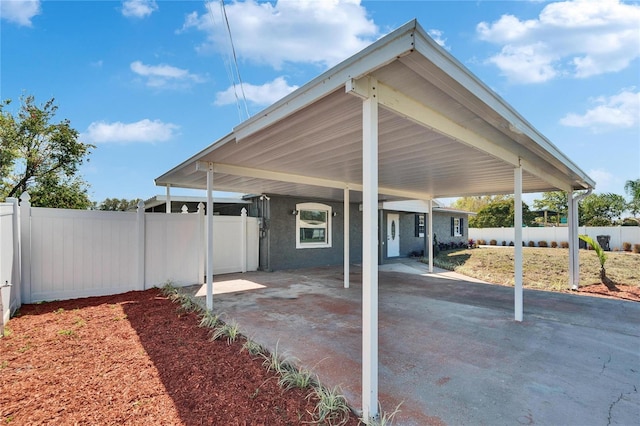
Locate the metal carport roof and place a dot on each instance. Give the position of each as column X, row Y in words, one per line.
column 402, row 119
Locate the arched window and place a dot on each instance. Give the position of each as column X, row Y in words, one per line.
column 313, row 225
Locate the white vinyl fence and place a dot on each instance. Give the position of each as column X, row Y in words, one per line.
column 9, row 260
column 617, row 234
column 79, row 253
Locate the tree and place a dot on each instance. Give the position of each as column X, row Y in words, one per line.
column 41, row 157
column 500, row 214
column 477, row 203
column 602, row 257
column 115, row 204
column 555, row 201
column 632, row 188
column 601, row 209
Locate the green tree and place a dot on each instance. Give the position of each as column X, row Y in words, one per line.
column 477, row 203
column 632, row 188
column 500, row 214
column 117, row 204
column 555, row 201
column 601, row 209
column 41, row 157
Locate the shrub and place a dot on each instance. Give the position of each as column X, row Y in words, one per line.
column 542, row 244
column 511, row 244
column 532, row 244
column 554, row 244
column 493, row 243
column 636, row 248
column 629, row 221
column 504, row 243
column 482, row 243
column 564, row 244
column 626, row 246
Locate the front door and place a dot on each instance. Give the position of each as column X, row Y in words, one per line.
column 393, row 235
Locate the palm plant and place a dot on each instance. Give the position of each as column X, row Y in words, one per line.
column 632, row 188
column 602, row 256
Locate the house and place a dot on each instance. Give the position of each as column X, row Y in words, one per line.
column 300, row 232
column 401, row 120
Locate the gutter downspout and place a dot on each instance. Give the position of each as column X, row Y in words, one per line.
column 574, row 263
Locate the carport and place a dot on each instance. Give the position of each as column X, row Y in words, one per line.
column 400, row 120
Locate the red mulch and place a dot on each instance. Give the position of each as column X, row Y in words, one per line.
column 134, row 359
column 626, row 292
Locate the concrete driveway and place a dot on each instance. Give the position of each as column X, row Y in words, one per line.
column 450, row 350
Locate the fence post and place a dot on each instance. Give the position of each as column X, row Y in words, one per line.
column 243, row 242
column 17, row 272
column 201, row 242
column 141, row 245
column 25, row 251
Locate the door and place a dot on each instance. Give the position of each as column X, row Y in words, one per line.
column 393, row 235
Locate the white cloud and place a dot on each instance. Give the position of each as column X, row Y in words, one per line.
column 605, row 181
column 617, row 111
column 19, row 11
column 578, row 38
column 138, row 8
column 438, row 37
column 265, row 94
column 145, row 131
column 320, row 32
column 163, row 75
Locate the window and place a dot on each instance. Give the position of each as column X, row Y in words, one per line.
column 313, row 225
column 457, row 227
column 419, row 231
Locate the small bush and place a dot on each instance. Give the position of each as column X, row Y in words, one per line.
column 626, row 246
column 504, row 243
column 554, row 244
column 493, row 243
column 636, row 248
column 542, row 244
column 564, row 244
column 511, row 244
column 482, row 243
column 532, row 244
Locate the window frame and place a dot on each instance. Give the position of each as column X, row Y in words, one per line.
column 458, row 230
column 314, row 207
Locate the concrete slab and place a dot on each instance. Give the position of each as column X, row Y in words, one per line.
column 450, row 350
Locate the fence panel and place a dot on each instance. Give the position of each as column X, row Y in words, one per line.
column 80, row 253
column 618, row 234
column 9, row 262
column 172, row 248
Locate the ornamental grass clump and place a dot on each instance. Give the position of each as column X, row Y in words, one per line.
column 332, row 408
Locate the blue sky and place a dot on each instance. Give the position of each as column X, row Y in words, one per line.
column 147, row 82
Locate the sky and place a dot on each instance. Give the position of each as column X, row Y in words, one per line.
column 151, row 82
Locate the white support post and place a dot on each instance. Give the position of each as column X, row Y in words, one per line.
column 571, row 222
column 243, row 241
column 346, row 237
column 141, row 245
column 210, row 237
column 202, row 238
column 25, row 241
column 370, row 254
column 168, row 200
column 517, row 226
column 430, row 230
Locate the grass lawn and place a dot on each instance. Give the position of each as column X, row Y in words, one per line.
column 543, row 268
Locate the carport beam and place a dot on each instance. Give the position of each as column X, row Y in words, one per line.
column 167, row 201
column 210, row 237
column 517, row 226
column 346, row 237
column 370, row 253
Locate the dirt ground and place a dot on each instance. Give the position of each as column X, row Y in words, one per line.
column 134, row 359
column 626, row 292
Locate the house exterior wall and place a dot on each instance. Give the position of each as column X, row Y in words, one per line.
column 278, row 234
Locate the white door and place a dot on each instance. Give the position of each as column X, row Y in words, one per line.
column 393, row 235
